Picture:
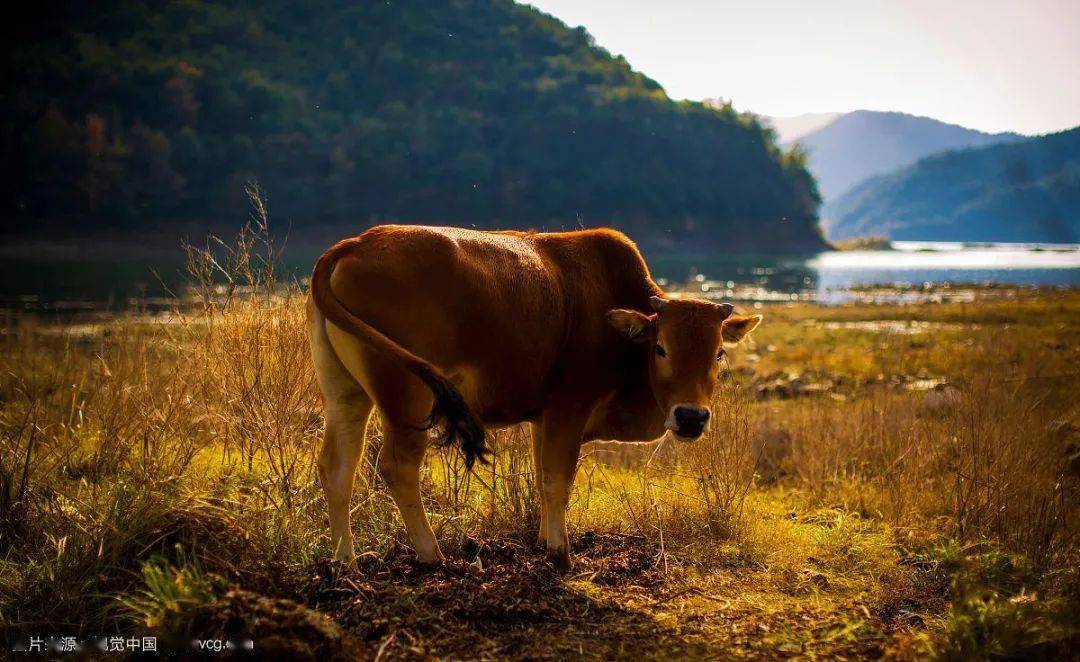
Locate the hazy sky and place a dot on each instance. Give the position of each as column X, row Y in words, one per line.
column 986, row 64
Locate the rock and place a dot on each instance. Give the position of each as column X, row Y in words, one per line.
column 1072, row 464
column 1065, row 432
column 1067, row 436
column 924, row 384
column 775, row 452
column 782, row 386
column 816, row 578
column 790, row 648
column 940, row 400
column 910, row 619
column 470, row 548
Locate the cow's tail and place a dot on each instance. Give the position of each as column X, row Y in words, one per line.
column 459, row 423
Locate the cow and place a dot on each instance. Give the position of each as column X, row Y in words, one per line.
column 465, row 330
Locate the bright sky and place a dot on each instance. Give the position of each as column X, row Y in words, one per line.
column 992, row 65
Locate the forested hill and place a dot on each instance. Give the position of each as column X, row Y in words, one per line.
column 1027, row 191
column 125, row 113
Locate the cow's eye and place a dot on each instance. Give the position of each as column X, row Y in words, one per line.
column 720, row 355
column 660, row 351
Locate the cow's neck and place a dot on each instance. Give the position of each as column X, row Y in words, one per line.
column 636, row 293
column 630, row 413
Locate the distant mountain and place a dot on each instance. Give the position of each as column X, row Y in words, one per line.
column 1018, row 191
column 865, row 143
column 789, row 129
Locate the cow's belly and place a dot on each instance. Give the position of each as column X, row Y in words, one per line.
column 500, row 396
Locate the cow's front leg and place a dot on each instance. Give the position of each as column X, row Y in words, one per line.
column 560, row 446
column 538, row 481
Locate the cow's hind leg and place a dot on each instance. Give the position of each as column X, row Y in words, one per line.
column 347, row 407
column 399, row 465
column 404, row 406
column 343, row 445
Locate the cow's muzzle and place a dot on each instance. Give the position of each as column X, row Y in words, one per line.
column 687, row 421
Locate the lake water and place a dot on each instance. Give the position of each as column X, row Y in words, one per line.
column 830, row 277
column 73, row 285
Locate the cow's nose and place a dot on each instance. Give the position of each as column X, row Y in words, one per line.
column 691, row 419
column 691, row 414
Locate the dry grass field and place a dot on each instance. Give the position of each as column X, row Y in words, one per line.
column 881, row 481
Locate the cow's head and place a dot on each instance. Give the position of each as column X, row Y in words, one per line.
column 686, row 340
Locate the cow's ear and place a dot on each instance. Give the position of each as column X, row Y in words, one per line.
column 736, row 327
column 630, row 323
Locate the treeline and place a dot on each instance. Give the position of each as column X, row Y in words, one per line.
column 124, row 113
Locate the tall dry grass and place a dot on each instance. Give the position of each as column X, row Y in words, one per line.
column 122, row 437
column 985, row 457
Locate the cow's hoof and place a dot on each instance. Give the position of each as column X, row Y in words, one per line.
column 560, row 558
column 431, row 560
column 346, row 564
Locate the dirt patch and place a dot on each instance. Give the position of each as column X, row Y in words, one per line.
column 508, row 603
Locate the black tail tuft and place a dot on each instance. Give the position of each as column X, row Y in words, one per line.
column 460, row 424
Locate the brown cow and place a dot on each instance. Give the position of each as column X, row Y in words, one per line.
column 471, row 329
